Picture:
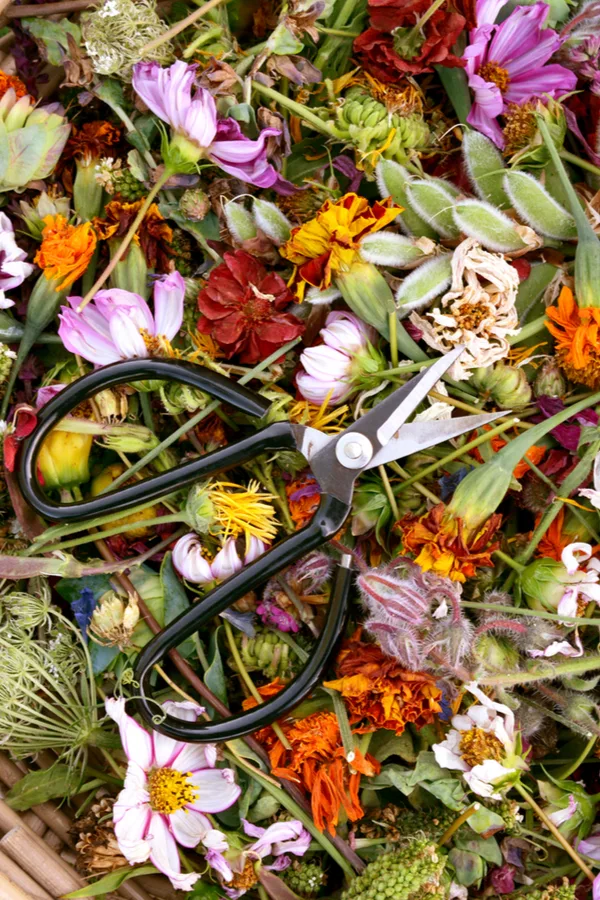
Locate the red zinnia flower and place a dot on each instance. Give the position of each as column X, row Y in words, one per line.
column 241, row 308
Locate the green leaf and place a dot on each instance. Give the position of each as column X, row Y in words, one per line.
column 306, row 158
column 531, row 291
column 214, row 678
column 53, row 35
column 176, row 600
column 110, row 91
column 487, row 848
column 469, row 867
column 111, row 882
column 456, row 86
column 250, row 793
column 38, row 787
column 448, row 791
column 385, row 744
column 265, row 807
column 485, row 166
column 204, row 890
column 486, row 822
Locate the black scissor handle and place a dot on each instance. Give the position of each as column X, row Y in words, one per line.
column 274, row 437
column 326, row 522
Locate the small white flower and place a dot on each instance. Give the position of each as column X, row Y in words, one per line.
column 479, row 744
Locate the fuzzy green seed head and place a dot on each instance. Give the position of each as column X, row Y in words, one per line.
column 127, row 185
column 305, row 878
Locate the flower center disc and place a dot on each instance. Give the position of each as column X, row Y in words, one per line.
column 170, row 790
column 243, row 881
column 477, row 746
column 491, row 71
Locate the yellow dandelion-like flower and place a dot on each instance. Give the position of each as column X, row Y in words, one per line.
column 330, row 421
column 238, row 510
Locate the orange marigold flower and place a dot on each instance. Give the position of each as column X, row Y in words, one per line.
column 535, row 454
column 154, row 234
column 92, row 141
column 329, row 244
column 66, row 250
column 378, row 691
column 564, row 530
column 440, row 544
column 11, row 81
column 577, row 334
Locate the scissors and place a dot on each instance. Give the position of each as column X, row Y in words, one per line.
column 336, row 461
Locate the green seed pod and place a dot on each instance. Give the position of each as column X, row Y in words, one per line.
column 306, row 879
column 412, row 873
column 194, row 204
column 434, row 199
column 489, row 226
column 485, row 166
column 550, row 381
column 506, row 385
column 265, row 653
column 392, row 180
column 544, row 583
column 239, row 221
column 388, row 249
column 272, row 221
column 536, row 207
column 128, row 186
column 424, row 284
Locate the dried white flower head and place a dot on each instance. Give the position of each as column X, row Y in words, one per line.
column 478, row 310
column 105, row 171
column 116, row 32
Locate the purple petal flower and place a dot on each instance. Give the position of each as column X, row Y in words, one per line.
column 168, row 93
column 506, row 63
column 273, row 615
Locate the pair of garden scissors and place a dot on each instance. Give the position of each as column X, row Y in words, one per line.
column 336, row 461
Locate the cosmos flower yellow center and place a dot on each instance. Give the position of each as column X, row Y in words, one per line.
column 491, row 71
column 477, row 746
column 170, row 790
column 243, row 881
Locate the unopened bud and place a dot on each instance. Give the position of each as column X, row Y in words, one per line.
column 538, row 208
column 112, row 404
column 194, row 204
column 396, row 250
column 101, row 483
column 489, row 226
column 272, row 221
column 485, row 166
column 239, row 221
column 179, row 398
column 199, row 509
column 495, row 654
column 130, row 438
column 433, row 200
column 544, row 583
column 63, row 459
column 396, row 596
column 506, row 385
column 550, row 382
column 113, row 622
column 392, row 181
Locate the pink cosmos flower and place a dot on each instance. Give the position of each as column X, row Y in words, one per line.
column 507, row 63
column 13, row 268
column 329, row 368
column 119, row 325
column 277, row 840
column 169, row 786
column 192, row 565
column 197, row 133
column 586, row 585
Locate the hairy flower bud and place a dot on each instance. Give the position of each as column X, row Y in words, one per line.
column 194, row 204
column 398, row 597
column 495, row 654
column 113, row 622
column 550, row 382
column 398, row 640
column 506, row 385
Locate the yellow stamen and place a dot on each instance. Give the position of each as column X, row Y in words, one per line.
column 239, row 511
column 170, row 790
column 319, row 417
column 477, row 746
column 492, row 71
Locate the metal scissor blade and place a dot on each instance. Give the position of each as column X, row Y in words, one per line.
column 418, row 436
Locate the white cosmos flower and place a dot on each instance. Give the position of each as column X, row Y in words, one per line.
column 13, row 268
column 169, row 786
column 481, row 745
column 588, row 586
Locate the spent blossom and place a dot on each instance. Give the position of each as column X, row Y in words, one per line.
column 508, row 63
column 347, row 353
column 119, row 324
column 197, row 133
column 169, row 788
column 478, row 310
column 13, row 268
column 192, row 564
column 483, row 744
column 239, row 870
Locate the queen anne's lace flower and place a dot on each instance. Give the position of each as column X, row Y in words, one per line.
column 478, row 310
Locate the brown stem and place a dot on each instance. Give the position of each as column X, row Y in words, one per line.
column 45, row 9
column 186, row 670
column 466, row 814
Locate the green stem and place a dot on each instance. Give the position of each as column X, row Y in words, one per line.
column 533, row 613
column 110, row 532
column 577, row 161
column 404, row 369
column 552, row 828
column 564, row 773
column 456, row 454
column 466, row 814
column 195, row 420
column 146, row 405
column 570, row 484
column 556, row 490
column 389, row 493
column 394, row 339
column 337, row 32
column 529, row 330
column 341, row 715
column 298, row 813
column 509, row 561
column 298, row 109
column 126, row 240
column 572, row 667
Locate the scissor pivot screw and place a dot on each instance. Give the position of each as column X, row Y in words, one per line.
column 354, row 450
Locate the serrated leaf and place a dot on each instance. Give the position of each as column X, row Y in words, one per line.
column 392, row 180
column 39, row 787
column 538, row 208
column 488, row 225
column 395, row 250
column 485, row 166
column 434, row 201
column 113, row 881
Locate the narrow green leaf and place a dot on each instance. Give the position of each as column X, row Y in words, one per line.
column 111, row 882
column 176, row 600
column 214, row 678
column 38, row 787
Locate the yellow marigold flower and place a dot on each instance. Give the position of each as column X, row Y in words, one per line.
column 329, row 244
column 66, row 250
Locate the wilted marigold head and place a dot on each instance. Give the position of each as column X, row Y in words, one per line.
column 66, row 250
column 92, row 141
column 154, row 234
column 11, row 81
column 440, row 543
column 577, row 333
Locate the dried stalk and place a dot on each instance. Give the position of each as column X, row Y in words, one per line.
column 11, row 870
